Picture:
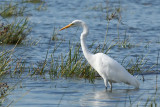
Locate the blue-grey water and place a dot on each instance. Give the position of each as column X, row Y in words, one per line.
column 78, row 92
column 139, row 21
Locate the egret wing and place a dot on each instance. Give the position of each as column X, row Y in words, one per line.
column 114, row 71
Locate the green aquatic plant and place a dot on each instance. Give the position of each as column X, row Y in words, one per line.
column 97, row 7
column 54, row 35
column 125, row 42
column 9, row 10
column 41, row 7
column 69, row 65
column 137, row 64
column 72, row 64
column 14, row 32
column 34, row 1
column 5, row 60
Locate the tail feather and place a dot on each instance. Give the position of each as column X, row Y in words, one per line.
column 134, row 82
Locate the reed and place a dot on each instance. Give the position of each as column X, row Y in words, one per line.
column 9, row 10
column 5, row 68
column 34, row 1
column 15, row 32
column 5, row 60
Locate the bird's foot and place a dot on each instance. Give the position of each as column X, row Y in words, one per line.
column 106, row 88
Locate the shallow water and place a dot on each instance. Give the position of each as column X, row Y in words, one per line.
column 77, row 92
column 140, row 22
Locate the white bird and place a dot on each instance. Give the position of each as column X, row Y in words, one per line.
column 109, row 69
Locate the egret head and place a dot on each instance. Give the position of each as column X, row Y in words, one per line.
column 74, row 23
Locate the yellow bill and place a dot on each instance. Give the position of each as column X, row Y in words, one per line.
column 66, row 27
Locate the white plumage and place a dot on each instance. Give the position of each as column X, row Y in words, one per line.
column 109, row 69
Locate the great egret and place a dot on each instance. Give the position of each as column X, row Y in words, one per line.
column 109, row 69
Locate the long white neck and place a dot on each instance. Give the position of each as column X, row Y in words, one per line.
column 84, row 34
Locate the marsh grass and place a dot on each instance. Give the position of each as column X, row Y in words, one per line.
column 74, row 65
column 5, row 68
column 9, row 10
column 69, row 65
column 125, row 42
column 15, row 32
column 137, row 65
column 33, row 1
column 41, row 7
column 31, row 42
column 5, row 60
column 114, row 14
column 55, row 33
column 14, row 9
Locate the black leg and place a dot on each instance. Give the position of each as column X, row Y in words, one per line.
column 106, row 88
